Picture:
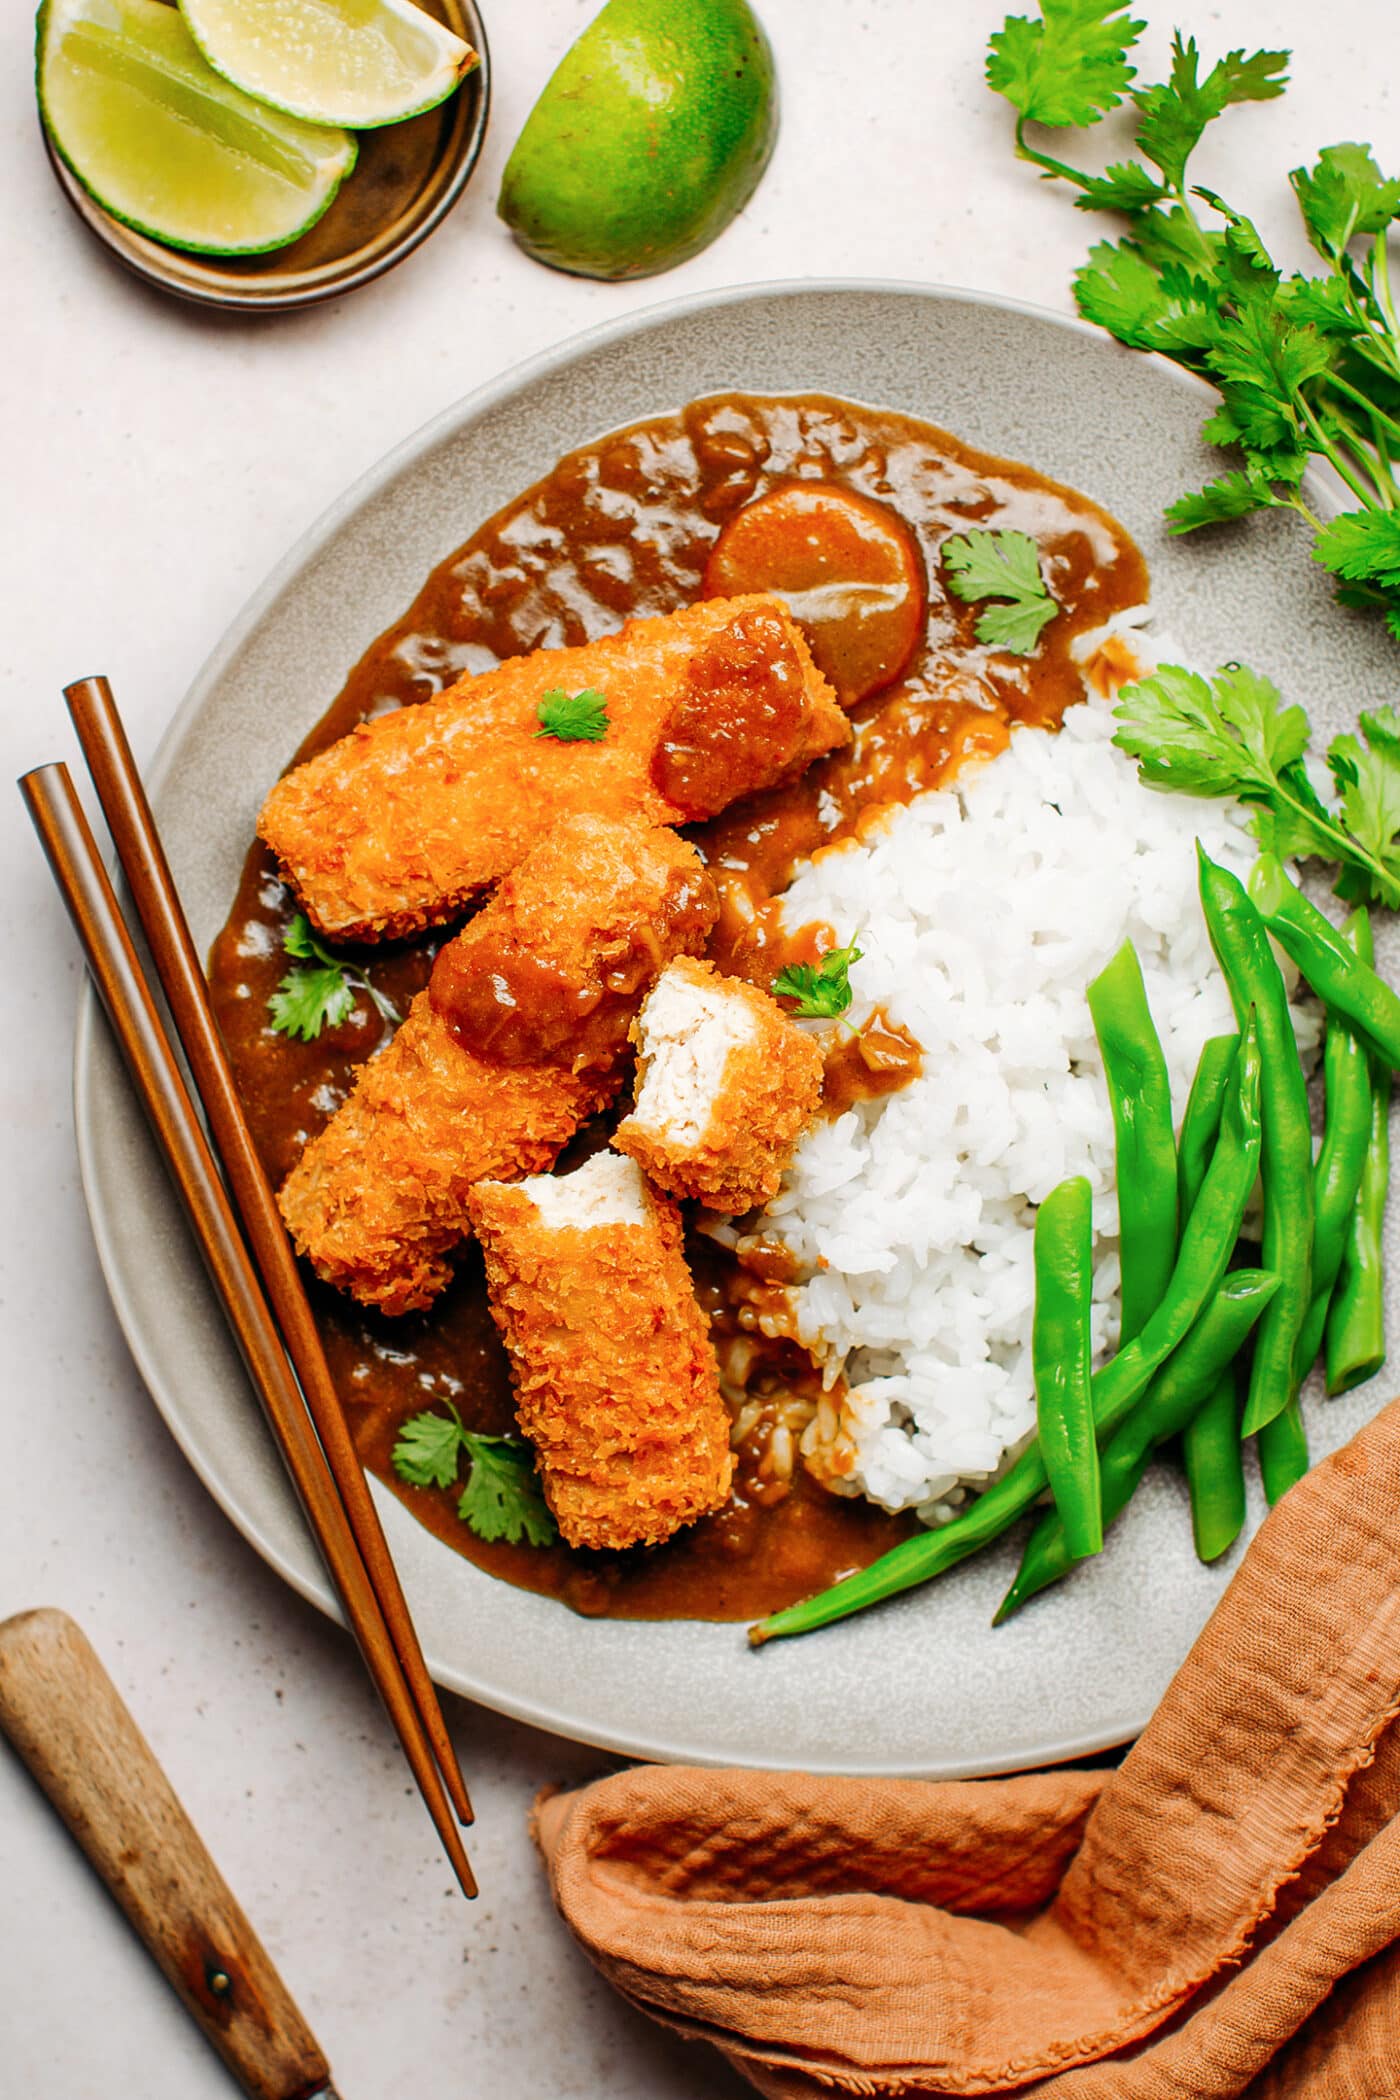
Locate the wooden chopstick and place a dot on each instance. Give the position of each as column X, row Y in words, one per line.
column 117, row 973
column 162, row 916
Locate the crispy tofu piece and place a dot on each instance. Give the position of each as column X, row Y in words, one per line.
column 726, row 1085
column 378, row 1200
column 616, row 1384
column 401, row 824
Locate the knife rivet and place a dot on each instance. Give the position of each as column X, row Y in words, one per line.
column 220, row 1981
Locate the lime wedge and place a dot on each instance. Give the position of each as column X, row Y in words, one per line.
column 651, row 133
column 168, row 147
column 356, row 62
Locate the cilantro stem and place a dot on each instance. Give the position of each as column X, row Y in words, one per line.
column 1203, row 247
column 1372, row 408
column 1323, row 443
column 1383, row 450
column 1381, row 341
column 1380, row 284
column 1044, row 160
column 1363, row 451
column 1347, row 848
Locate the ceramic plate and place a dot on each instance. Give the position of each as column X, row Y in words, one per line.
column 922, row 1686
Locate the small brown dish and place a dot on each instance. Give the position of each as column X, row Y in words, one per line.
column 406, row 180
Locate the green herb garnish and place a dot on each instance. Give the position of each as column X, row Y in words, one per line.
column 1232, row 735
column 573, row 718
column 320, row 990
column 501, row 1498
column 1004, row 565
column 1306, row 366
column 822, row 989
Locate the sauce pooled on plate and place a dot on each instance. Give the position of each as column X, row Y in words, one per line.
column 628, row 525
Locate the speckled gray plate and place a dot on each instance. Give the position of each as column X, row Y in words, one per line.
column 922, row 1686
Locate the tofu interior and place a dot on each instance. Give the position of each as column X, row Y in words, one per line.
column 607, row 1189
column 687, row 1030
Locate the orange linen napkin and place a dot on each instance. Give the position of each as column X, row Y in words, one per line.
column 1220, row 1916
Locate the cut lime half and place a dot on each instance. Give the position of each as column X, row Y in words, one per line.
column 356, row 62
column 168, row 147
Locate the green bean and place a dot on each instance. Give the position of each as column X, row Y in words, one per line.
column 1064, row 1407
column 1346, row 1139
column 1356, row 1316
column 1210, row 1444
column 1175, row 1394
column 1242, row 948
column 1214, row 1460
column 1283, row 1451
column 1200, row 1126
column 1342, row 980
column 1206, row 1246
column 1140, row 1095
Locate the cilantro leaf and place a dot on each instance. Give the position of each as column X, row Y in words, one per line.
column 994, row 565
column 1001, row 565
column 1231, row 496
column 1174, row 115
column 1344, row 195
column 1173, row 725
column 1262, row 347
column 1071, row 67
column 1124, row 186
column 1362, row 546
column 1368, row 780
column 822, row 989
column 310, row 998
column 428, row 1449
column 1233, row 736
column 1258, row 78
column 1251, row 416
column 573, row 718
column 502, row 1497
column 1307, row 367
column 306, row 1001
column 300, row 941
column 320, row 992
column 1175, row 235
column 1015, row 627
column 1119, row 290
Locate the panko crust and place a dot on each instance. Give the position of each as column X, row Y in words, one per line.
column 770, row 1093
column 616, row 1383
column 402, row 823
column 377, row 1201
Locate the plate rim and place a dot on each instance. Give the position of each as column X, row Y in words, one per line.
column 310, row 1581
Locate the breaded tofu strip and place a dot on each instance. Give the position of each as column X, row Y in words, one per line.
column 400, row 824
column 615, row 1380
column 726, row 1085
column 520, row 1036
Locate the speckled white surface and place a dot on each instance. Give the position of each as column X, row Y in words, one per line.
column 159, row 462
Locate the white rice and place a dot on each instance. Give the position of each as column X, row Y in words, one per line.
column 983, row 912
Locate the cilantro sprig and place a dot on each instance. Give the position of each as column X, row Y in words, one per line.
column 1003, row 566
column 319, row 990
column 573, row 718
column 1306, row 366
column 501, row 1498
column 822, row 989
column 1232, row 735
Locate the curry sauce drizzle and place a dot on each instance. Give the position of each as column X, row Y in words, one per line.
column 622, row 528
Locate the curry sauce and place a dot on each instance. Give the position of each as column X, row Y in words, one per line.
column 630, row 525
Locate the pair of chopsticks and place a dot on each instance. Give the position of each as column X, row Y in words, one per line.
column 235, row 1219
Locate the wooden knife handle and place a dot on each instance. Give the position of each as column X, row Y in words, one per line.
column 66, row 1719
